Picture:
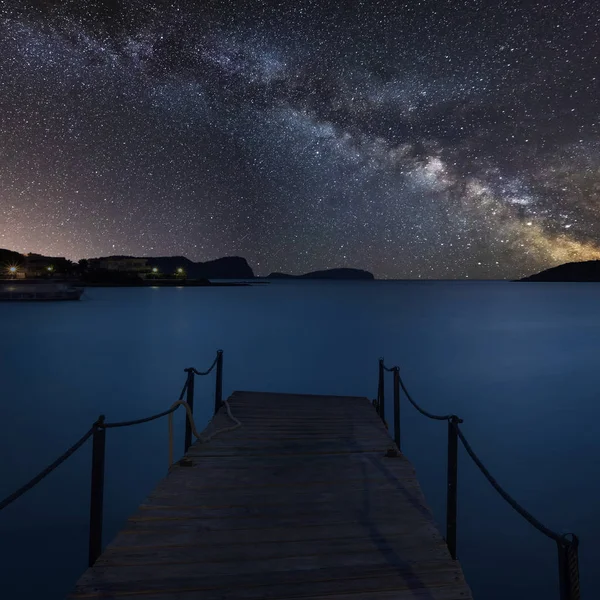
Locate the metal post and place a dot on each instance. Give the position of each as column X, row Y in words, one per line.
column 452, row 485
column 568, row 569
column 397, row 407
column 97, row 493
column 219, row 383
column 190, row 400
column 381, row 390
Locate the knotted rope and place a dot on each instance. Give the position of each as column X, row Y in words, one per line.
column 190, row 418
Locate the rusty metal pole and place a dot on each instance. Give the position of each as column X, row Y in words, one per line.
column 219, row 382
column 452, row 485
column 381, row 390
column 97, row 492
column 397, row 407
column 190, row 400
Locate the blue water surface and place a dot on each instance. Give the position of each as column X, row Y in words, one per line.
column 517, row 361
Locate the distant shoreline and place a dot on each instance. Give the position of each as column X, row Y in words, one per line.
column 147, row 284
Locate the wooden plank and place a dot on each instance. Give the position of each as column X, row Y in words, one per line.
column 297, row 419
column 299, row 502
column 199, row 496
column 355, row 486
column 184, row 534
column 312, row 414
column 367, row 476
column 337, row 413
column 248, row 517
column 314, row 461
column 365, row 589
column 295, row 422
column 346, row 433
column 301, row 441
column 357, row 457
column 307, row 433
column 266, row 451
column 204, row 464
column 324, row 402
column 255, row 396
column 345, row 499
column 344, row 465
column 197, row 476
column 233, row 549
column 367, row 481
column 279, row 446
column 188, row 577
column 411, row 550
column 301, row 490
column 270, row 421
column 260, row 522
column 319, row 446
column 319, row 485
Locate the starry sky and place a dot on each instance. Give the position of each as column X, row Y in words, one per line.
column 425, row 139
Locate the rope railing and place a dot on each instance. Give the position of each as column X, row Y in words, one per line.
column 98, row 434
column 197, row 435
column 59, row 461
column 148, row 419
column 422, row 410
column 196, row 372
column 567, row 548
column 524, row 513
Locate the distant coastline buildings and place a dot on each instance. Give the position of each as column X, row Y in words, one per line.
column 121, row 263
column 36, row 265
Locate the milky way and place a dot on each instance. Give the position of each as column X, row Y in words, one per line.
column 432, row 139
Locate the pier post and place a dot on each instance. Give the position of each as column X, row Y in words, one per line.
column 381, row 390
column 397, row 407
column 452, row 485
column 97, row 491
column 190, row 401
column 219, row 382
column 568, row 569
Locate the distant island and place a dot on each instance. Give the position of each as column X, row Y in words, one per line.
column 588, row 270
column 327, row 274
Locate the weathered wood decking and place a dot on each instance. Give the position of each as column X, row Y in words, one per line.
column 300, row 502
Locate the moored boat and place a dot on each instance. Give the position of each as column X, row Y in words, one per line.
column 38, row 290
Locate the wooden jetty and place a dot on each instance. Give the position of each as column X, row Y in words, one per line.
column 302, row 501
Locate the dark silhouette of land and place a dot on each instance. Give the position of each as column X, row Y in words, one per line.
column 588, row 270
column 179, row 270
column 327, row 274
column 126, row 270
column 9, row 257
column 229, row 267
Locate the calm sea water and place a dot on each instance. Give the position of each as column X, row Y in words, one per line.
column 519, row 362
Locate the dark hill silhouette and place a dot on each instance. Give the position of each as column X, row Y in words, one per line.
column 10, row 257
column 229, row 267
column 588, row 270
column 327, row 274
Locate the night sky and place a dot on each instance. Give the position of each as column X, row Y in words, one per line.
column 432, row 139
